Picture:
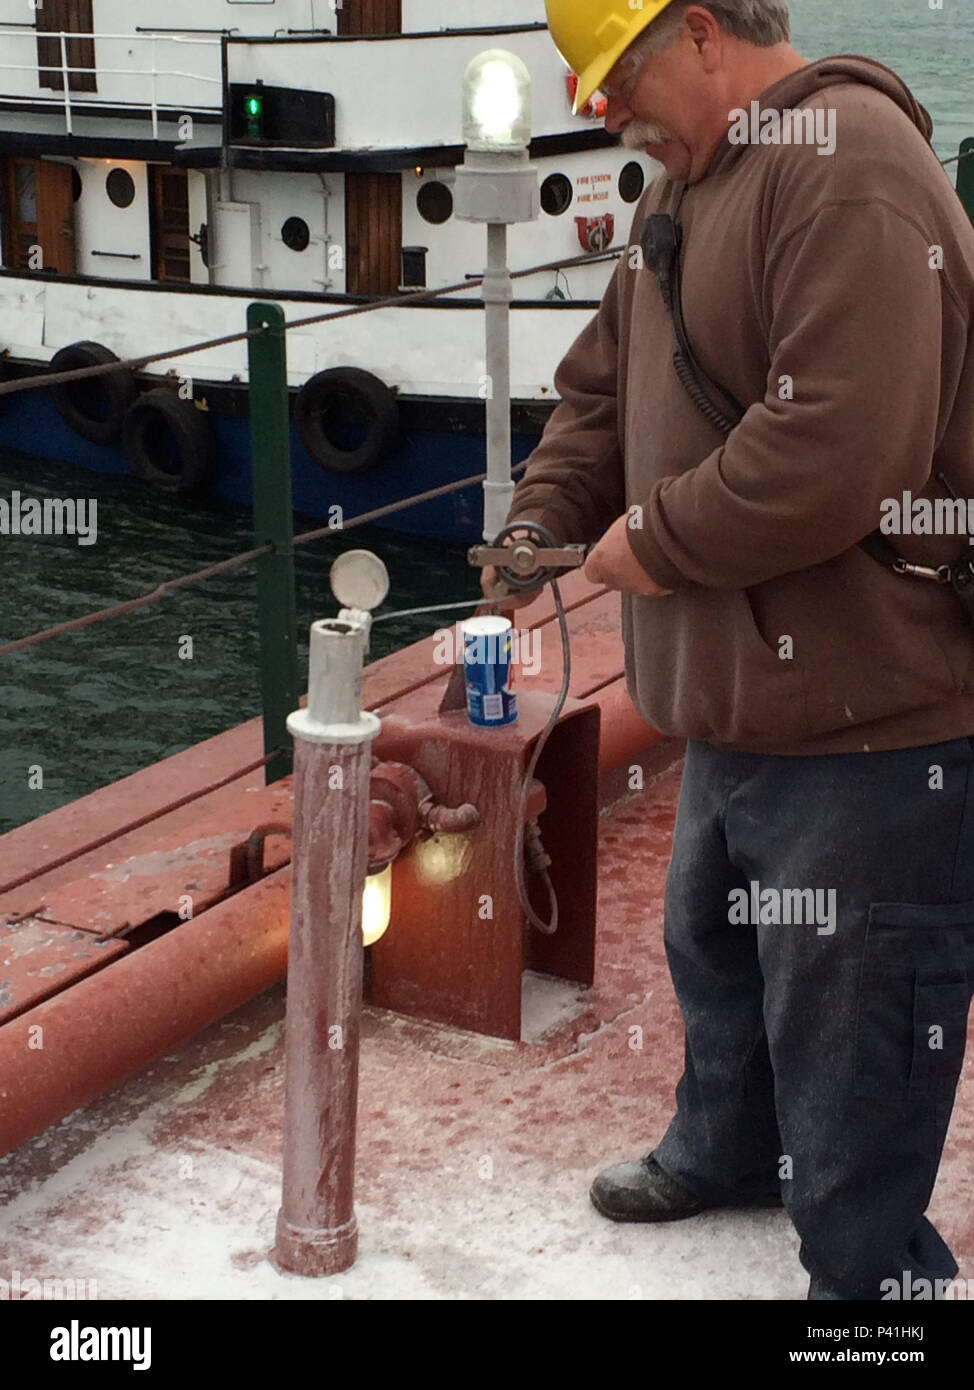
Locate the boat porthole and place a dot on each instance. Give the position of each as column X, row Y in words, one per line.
column 347, row 419
column 556, row 194
column 120, row 187
column 632, row 181
column 296, row 234
column 434, row 202
column 169, row 442
column 94, row 408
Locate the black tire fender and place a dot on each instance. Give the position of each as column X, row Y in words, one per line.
column 169, row 442
column 94, row 408
column 366, row 398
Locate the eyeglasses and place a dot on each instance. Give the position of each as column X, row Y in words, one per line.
column 621, row 90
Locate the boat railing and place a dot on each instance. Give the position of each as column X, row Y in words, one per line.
column 131, row 76
column 145, row 70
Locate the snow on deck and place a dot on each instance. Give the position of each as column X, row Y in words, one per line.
column 474, row 1156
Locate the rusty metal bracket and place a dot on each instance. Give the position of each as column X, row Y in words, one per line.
column 247, row 859
column 444, row 958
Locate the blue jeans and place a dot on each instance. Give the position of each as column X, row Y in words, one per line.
column 825, row 1032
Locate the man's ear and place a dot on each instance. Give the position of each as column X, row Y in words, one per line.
column 705, row 34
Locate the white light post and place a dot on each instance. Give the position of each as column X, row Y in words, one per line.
column 497, row 185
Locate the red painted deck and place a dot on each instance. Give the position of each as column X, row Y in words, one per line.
column 474, row 1155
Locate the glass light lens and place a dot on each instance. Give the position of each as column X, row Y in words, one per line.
column 496, row 102
column 376, row 905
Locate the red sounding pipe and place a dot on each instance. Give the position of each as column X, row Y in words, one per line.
column 105, row 1027
column 317, row 1232
column 622, row 734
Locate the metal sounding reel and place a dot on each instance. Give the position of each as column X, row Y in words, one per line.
column 359, row 580
column 532, row 559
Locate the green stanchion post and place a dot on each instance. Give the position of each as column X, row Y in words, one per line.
column 274, row 522
column 965, row 176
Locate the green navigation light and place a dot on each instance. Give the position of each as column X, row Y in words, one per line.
column 254, row 111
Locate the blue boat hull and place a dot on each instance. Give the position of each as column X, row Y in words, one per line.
column 427, row 458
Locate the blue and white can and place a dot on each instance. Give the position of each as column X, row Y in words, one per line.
column 487, row 646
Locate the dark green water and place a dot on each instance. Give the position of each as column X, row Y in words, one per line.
column 95, row 705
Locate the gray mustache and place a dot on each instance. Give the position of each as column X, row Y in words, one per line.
column 640, row 133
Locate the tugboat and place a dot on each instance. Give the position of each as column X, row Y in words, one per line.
column 154, row 180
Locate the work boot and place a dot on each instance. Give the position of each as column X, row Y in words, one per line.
column 642, row 1191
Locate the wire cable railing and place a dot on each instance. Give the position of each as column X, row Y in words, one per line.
column 247, row 557
column 235, row 562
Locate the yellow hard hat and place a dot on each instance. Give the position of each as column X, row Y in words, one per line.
column 592, row 35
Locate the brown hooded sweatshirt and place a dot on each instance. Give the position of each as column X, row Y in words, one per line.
column 813, row 290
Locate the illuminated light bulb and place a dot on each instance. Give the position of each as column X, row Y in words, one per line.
column 442, row 858
column 496, row 102
column 376, row 905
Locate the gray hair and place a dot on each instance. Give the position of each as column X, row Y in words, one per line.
column 763, row 23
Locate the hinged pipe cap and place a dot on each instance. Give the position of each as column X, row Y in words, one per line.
column 334, row 713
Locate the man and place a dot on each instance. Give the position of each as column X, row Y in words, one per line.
column 827, row 700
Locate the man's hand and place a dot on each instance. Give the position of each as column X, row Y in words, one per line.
column 613, row 564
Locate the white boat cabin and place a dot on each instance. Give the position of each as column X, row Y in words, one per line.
column 303, row 146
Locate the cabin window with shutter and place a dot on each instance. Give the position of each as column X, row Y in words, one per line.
column 170, row 223
column 373, row 202
column 373, row 233
column 70, row 16
column 368, row 17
